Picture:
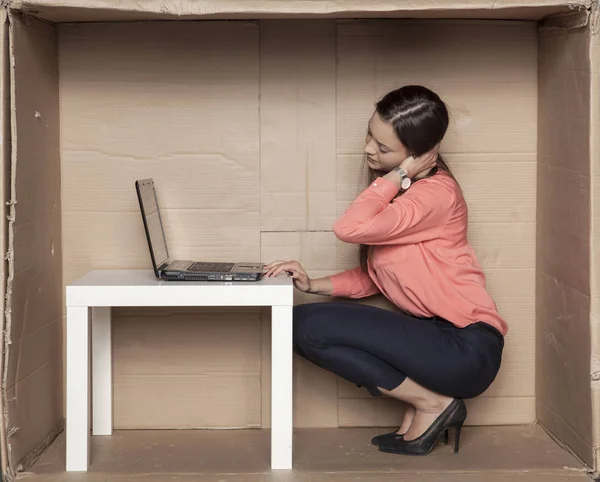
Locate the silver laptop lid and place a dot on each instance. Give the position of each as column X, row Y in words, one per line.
column 152, row 223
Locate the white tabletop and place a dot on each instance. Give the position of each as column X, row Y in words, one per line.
column 142, row 288
column 143, row 277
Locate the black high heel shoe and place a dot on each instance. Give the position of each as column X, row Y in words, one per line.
column 388, row 438
column 453, row 416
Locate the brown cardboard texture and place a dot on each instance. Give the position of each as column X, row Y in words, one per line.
column 32, row 377
column 563, row 282
column 253, row 130
column 109, row 10
column 4, row 193
column 595, row 226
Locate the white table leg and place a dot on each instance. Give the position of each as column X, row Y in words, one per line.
column 281, row 387
column 101, row 372
column 78, row 417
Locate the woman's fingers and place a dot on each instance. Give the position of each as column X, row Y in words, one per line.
column 272, row 266
column 273, row 263
column 276, row 268
column 279, row 269
column 429, row 159
column 287, row 267
column 293, row 269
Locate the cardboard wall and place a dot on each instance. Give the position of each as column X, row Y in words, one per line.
column 563, row 346
column 134, row 10
column 33, row 374
column 595, row 224
column 5, row 144
column 210, row 117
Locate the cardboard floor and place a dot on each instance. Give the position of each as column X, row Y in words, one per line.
column 491, row 454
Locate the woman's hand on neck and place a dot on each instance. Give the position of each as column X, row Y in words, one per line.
column 394, row 177
column 422, row 174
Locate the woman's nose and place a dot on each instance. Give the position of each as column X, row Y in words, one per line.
column 370, row 148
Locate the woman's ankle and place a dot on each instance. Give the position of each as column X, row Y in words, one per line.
column 433, row 405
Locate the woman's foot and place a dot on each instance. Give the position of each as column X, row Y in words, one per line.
column 453, row 415
column 409, row 414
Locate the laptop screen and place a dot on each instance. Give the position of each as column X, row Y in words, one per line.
column 151, row 214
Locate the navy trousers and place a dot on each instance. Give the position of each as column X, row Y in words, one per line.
column 373, row 347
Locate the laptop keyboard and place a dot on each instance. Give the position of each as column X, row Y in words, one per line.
column 212, row 267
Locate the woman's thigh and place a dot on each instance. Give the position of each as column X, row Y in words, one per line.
column 429, row 352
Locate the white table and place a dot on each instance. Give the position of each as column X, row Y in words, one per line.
column 98, row 291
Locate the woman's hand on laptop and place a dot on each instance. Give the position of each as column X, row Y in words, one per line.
column 293, row 269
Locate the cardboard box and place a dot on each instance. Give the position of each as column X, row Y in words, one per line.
column 253, row 131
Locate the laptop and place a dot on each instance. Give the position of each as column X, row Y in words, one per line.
column 183, row 270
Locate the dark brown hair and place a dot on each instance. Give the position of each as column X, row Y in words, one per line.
column 420, row 120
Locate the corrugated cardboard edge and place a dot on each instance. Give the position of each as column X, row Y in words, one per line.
column 10, row 268
column 109, row 10
column 5, row 146
column 594, row 230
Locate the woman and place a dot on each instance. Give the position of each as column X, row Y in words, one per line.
column 411, row 222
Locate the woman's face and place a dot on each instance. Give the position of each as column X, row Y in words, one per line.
column 383, row 149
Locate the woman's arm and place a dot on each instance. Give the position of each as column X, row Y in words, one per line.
column 418, row 215
column 352, row 283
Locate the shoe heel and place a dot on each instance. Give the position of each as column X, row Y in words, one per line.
column 457, row 437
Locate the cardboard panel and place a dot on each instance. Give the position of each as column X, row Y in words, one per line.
column 297, row 116
column 595, row 230
column 188, row 116
column 187, row 402
column 502, row 206
column 35, row 283
column 106, row 10
column 563, row 232
column 5, row 162
column 34, row 411
column 187, row 368
column 571, row 236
